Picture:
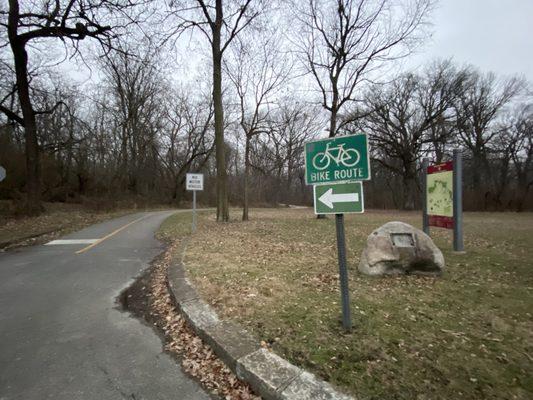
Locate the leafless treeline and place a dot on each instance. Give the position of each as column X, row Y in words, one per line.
column 139, row 126
column 135, row 134
column 428, row 114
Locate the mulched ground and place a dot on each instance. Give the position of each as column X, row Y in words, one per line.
column 148, row 299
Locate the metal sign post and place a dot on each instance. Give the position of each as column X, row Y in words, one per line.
column 343, row 272
column 458, row 201
column 193, row 211
column 194, row 182
column 443, row 197
column 339, row 198
column 335, row 167
column 425, row 217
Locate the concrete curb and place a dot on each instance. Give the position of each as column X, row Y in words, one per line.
column 271, row 376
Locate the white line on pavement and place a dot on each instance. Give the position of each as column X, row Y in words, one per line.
column 71, row 241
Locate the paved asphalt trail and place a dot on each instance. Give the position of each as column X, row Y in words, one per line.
column 61, row 334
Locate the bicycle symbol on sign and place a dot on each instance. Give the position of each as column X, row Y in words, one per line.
column 347, row 158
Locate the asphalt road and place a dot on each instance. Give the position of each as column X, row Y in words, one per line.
column 61, row 333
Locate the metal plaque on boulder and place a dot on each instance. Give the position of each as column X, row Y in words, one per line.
column 402, row 239
column 398, row 248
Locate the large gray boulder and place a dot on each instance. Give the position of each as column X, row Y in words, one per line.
column 398, row 248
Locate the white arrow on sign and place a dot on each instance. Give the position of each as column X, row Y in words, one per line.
column 329, row 198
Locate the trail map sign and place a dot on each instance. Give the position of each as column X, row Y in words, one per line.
column 440, row 195
column 337, row 198
column 443, row 197
column 338, row 159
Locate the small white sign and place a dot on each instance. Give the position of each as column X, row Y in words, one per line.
column 2, row 173
column 195, row 182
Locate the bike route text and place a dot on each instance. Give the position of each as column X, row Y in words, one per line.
column 345, row 174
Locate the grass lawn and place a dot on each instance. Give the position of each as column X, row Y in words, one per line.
column 465, row 335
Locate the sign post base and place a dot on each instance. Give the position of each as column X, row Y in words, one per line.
column 343, row 272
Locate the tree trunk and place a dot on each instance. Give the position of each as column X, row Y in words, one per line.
column 333, row 122
column 523, row 187
column 332, row 126
column 409, row 184
column 409, row 189
column 477, row 166
column 124, row 168
column 246, row 178
column 334, row 109
column 33, row 204
column 222, row 191
column 482, row 191
column 439, row 154
column 290, row 173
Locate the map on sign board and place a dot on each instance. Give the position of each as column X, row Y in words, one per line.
column 195, row 182
column 440, row 195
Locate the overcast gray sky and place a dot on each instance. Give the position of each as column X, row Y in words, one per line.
column 495, row 35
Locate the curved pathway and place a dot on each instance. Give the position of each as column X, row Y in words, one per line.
column 61, row 334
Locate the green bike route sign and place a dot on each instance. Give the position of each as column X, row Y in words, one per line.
column 339, row 198
column 338, row 159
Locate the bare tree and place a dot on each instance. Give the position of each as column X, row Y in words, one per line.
column 276, row 157
column 480, row 101
column 61, row 134
column 515, row 145
column 220, row 21
column 344, row 41
column 186, row 139
column 27, row 23
column 135, row 83
column 405, row 116
column 258, row 69
column 442, row 83
column 294, row 124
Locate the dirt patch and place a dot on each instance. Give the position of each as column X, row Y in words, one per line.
column 148, row 299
